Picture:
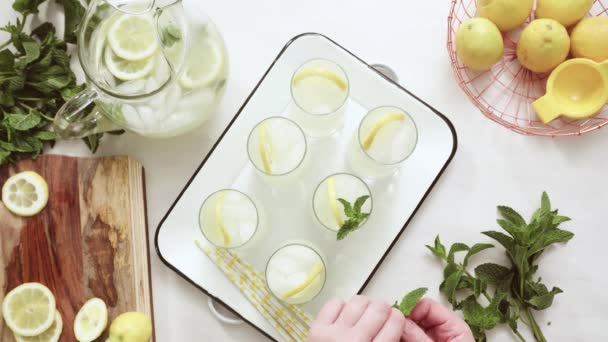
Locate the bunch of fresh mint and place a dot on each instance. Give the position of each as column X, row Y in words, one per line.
column 35, row 81
column 500, row 294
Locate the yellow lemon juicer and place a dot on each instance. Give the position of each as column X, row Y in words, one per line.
column 577, row 88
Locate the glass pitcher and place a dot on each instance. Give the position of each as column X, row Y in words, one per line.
column 156, row 68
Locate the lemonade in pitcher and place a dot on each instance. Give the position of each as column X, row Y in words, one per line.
column 157, row 68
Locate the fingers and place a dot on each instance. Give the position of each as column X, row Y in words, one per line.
column 353, row 310
column 413, row 333
column 373, row 319
column 443, row 323
column 330, row 312
column 393, row 328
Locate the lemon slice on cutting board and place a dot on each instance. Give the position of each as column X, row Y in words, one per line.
column 333, row 201
column 219, row 221
column 91, row 320
column 29, row 309
column 265, row 148
column 127, row 70
column 373, row 132
column 314, row 273
column 320, row 72
column 204, row 65
column 25, row 194
column 52, row 334
column 132, row 37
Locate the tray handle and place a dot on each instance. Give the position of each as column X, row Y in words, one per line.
column 219, row 316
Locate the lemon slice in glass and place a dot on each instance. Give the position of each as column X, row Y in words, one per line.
column 91, row 320
column 265, row 148
column 333, row 201
column 204, row 64
column 25, row 194
column 29, row 309
column 320, row 72
column 127, row 70
column 52, row 334
column 314, row 273
column 371, row 135
column 219, row 221
column 133, row 37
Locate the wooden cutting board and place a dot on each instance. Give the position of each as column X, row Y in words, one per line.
column 91, row 240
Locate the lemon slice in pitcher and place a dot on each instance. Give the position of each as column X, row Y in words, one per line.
column 127, row 70
column 29, row 309
column 52, row 334
column 204, row 64
column 25, row 194
column 314, row 273
column 333, row 201
column 91, row 320
column 133, row 37
column 371, row 135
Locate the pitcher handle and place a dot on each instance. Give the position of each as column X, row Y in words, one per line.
column 71, row 122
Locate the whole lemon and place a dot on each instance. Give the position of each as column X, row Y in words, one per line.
column 131, row 327
column 543, row 45
column 506, row 14
column 479, row 44
column 567, row 12
column 590, row 39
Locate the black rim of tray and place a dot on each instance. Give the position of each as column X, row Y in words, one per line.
column 390, row 247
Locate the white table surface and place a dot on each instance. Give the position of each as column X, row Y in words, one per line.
column 492, row 166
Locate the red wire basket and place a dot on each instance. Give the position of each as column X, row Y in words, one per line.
column 505, row 93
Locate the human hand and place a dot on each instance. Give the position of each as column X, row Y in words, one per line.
column 360, row 320
column 432, row 322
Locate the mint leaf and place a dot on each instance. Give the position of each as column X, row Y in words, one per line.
column 354, row 215
column 476, row 248
column 74, row 12
column 478, row 316
column 543, row 301
column 511, row 215
column 27, row 7
column 492, row 273
column 545, row 203
column 170, row 35
column 457, row 247
column 22, row 122
column 409, row 301
column 448, row 287
column 506, row 241
column 439, row 249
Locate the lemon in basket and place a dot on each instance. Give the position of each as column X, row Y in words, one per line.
column 506, row 14
column 479, row 43
column 543, row 45
column 590, row 39
column 566, row 12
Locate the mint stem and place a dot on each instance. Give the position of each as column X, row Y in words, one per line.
column 538, row 334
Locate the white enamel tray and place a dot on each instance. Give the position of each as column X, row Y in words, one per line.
column 288, row 210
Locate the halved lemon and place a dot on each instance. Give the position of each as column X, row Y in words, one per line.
column 265, row 148
column 132, row 37
column 52, row 334
column 127, row 70
column 314, row 273
column 371, row 135
column 320, row 72
column 205, row 63
column 29, row 309
column 91, row 320
column 219, row 221
column 25, row 194
column 333, row 201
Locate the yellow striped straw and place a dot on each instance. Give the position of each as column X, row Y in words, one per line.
column 290, row 321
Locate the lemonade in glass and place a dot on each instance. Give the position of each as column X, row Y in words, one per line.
column 229, row 219
column 295, row 274
column 277, row 149
column 319, row 91
column 386, row 137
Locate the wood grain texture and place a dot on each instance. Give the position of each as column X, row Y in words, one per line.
column 90, row 241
